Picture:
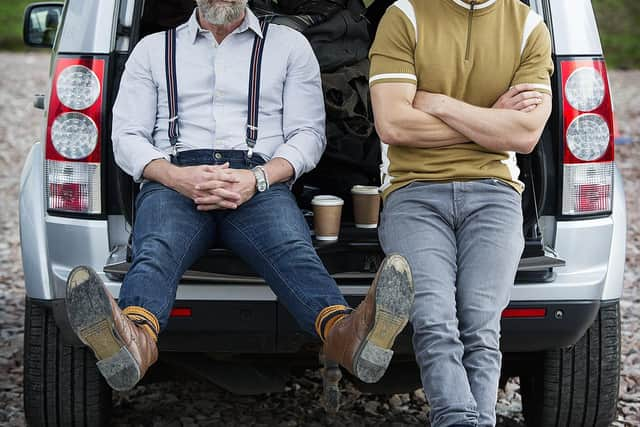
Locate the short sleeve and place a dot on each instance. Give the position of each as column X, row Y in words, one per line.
column 536, row 64
column 392, row 53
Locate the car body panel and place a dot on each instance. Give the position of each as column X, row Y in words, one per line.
column 35, row 262
column 52, row 246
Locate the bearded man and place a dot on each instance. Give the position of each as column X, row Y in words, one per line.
column 183, row 127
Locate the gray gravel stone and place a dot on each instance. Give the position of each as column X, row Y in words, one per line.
column 196, row 403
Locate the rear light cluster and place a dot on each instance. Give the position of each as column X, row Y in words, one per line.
column 74, row 125
column 588, row 138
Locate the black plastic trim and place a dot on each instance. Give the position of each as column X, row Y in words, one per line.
column 552, row 331
column 74, row 215
column 266, row 327
column 357, row 254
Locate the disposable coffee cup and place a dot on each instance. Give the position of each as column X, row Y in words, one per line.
column 326, row 216
column 366, row 205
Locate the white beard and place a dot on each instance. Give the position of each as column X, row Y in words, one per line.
column 221, row 13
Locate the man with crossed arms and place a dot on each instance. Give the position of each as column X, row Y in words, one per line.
column 458, row 87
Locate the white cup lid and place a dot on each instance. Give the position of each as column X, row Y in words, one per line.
column 325, row 200
column 365, row 189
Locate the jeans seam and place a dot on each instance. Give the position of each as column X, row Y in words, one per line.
column 264, row 257
column 175, row 274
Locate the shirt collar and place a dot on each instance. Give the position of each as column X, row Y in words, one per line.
column 250, row 22
column 477, row 4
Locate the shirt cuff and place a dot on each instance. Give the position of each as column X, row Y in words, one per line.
column 538, row 87
column 393, row 78
column 291, row 154
column 143, row 156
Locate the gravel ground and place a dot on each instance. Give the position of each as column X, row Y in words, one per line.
column 198, row 403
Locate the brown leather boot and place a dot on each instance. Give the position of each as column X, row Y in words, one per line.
column 362, row 340
column 125, row 348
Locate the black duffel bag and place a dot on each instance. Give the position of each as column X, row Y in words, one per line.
column 337, row 29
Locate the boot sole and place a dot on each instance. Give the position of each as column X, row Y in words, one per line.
column 394, row 298
column 90, row 315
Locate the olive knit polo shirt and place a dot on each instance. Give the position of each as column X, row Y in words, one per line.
column 473, row 51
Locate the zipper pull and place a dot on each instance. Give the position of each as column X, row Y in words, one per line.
column 469, row 25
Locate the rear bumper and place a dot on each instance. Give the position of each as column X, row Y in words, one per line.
column 265, row 327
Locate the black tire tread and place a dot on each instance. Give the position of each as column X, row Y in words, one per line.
column 576, row 386
column 62, row 386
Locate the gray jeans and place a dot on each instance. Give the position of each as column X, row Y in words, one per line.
column 463, row 241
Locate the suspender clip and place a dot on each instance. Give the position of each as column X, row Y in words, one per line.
column 173, row 119
column 250, row 144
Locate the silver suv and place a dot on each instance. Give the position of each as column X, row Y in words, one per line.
column 560, row 333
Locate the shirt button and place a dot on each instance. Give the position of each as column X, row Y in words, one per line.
column 217, row 156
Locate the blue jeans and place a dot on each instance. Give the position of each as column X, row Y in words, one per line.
column 268, row 232
column 463, row 241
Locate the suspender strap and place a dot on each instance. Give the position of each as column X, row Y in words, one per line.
column 254, row 86
column 172, row 87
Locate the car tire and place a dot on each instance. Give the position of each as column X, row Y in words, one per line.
column 62, row 386
column 576, row 386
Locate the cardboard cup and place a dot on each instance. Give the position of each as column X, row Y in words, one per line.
column 327, row 211
column 366, row 205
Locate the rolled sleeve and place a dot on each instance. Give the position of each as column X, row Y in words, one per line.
column 303, row 151
column 134, row 115
column 133, row 158
column 303, row 109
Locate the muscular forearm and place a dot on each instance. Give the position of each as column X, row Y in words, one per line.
column 413, row 128
column 494, row 129
column 399, row 122
column 161, row 171
column 278, row 170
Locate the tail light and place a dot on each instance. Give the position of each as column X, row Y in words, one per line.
column 180, row 312
column 588, row 138
column 73, row 142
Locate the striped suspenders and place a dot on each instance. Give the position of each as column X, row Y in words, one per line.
column 253, row 106
column 254, row 87
column 172, row 86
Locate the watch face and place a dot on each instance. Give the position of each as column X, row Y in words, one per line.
column 262, row 186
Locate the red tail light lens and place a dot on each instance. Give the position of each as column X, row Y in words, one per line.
column 514, row 313
column 588, row 138
column 74, row 126
column 181, row 312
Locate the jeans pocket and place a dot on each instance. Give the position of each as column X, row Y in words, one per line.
column 499, row 183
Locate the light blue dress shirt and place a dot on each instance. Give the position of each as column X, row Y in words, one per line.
column 213, row 83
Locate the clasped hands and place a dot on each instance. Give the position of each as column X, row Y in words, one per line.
column 214, row 187
column 521, row 97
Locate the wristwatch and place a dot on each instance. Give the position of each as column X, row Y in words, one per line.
column 262, row 183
